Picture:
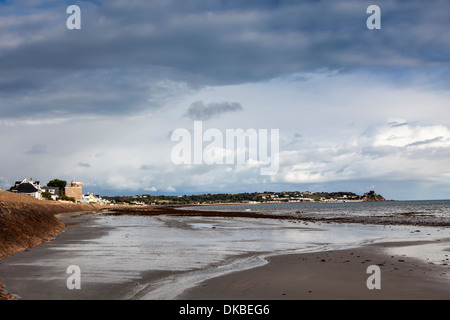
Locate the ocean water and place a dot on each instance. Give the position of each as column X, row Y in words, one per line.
column 439, row 209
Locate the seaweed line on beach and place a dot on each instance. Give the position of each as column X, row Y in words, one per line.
column 410, row 218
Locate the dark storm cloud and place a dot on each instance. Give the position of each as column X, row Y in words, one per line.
column 83, row 165
column 113, row 65
column 199, row 111
column 396, row 124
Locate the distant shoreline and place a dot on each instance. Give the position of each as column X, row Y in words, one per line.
column 247, row 197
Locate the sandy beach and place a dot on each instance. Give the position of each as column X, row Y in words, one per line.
column 117, row 268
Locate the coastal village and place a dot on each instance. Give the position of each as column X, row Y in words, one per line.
column 71, row 193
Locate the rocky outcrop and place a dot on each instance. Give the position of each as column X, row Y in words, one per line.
column 372, row 196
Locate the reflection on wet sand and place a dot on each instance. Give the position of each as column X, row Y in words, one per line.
column 161, row 256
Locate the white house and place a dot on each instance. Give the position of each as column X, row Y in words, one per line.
column 91, row 198
column 28, row 187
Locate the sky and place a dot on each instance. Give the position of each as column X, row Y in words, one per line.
column 357, row 109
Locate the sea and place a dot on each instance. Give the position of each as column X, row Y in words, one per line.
column 433, row 208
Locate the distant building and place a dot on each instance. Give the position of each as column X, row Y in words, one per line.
column 94, row 198
column 54, row 191
column 28, row 187
column 91, row 198
column 75, row 190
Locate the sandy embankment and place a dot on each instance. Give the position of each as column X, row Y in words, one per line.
column 26, row 222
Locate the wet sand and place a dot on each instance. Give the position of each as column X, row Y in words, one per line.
column 331, row 275
column 24, row 279
column 339, row 274
column 26, row 222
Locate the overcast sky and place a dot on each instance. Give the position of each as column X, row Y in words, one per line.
column 356, row 109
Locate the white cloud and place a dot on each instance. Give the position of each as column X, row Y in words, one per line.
column 406, row 135
column 324, row 139
column 393, row 151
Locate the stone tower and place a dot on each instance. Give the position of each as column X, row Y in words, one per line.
column 75, row 190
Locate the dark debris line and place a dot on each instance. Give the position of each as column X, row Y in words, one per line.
column 412, row 219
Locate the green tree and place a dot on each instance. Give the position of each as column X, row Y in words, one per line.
column 56, row 183
column 47, row 195
column 66, row 198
